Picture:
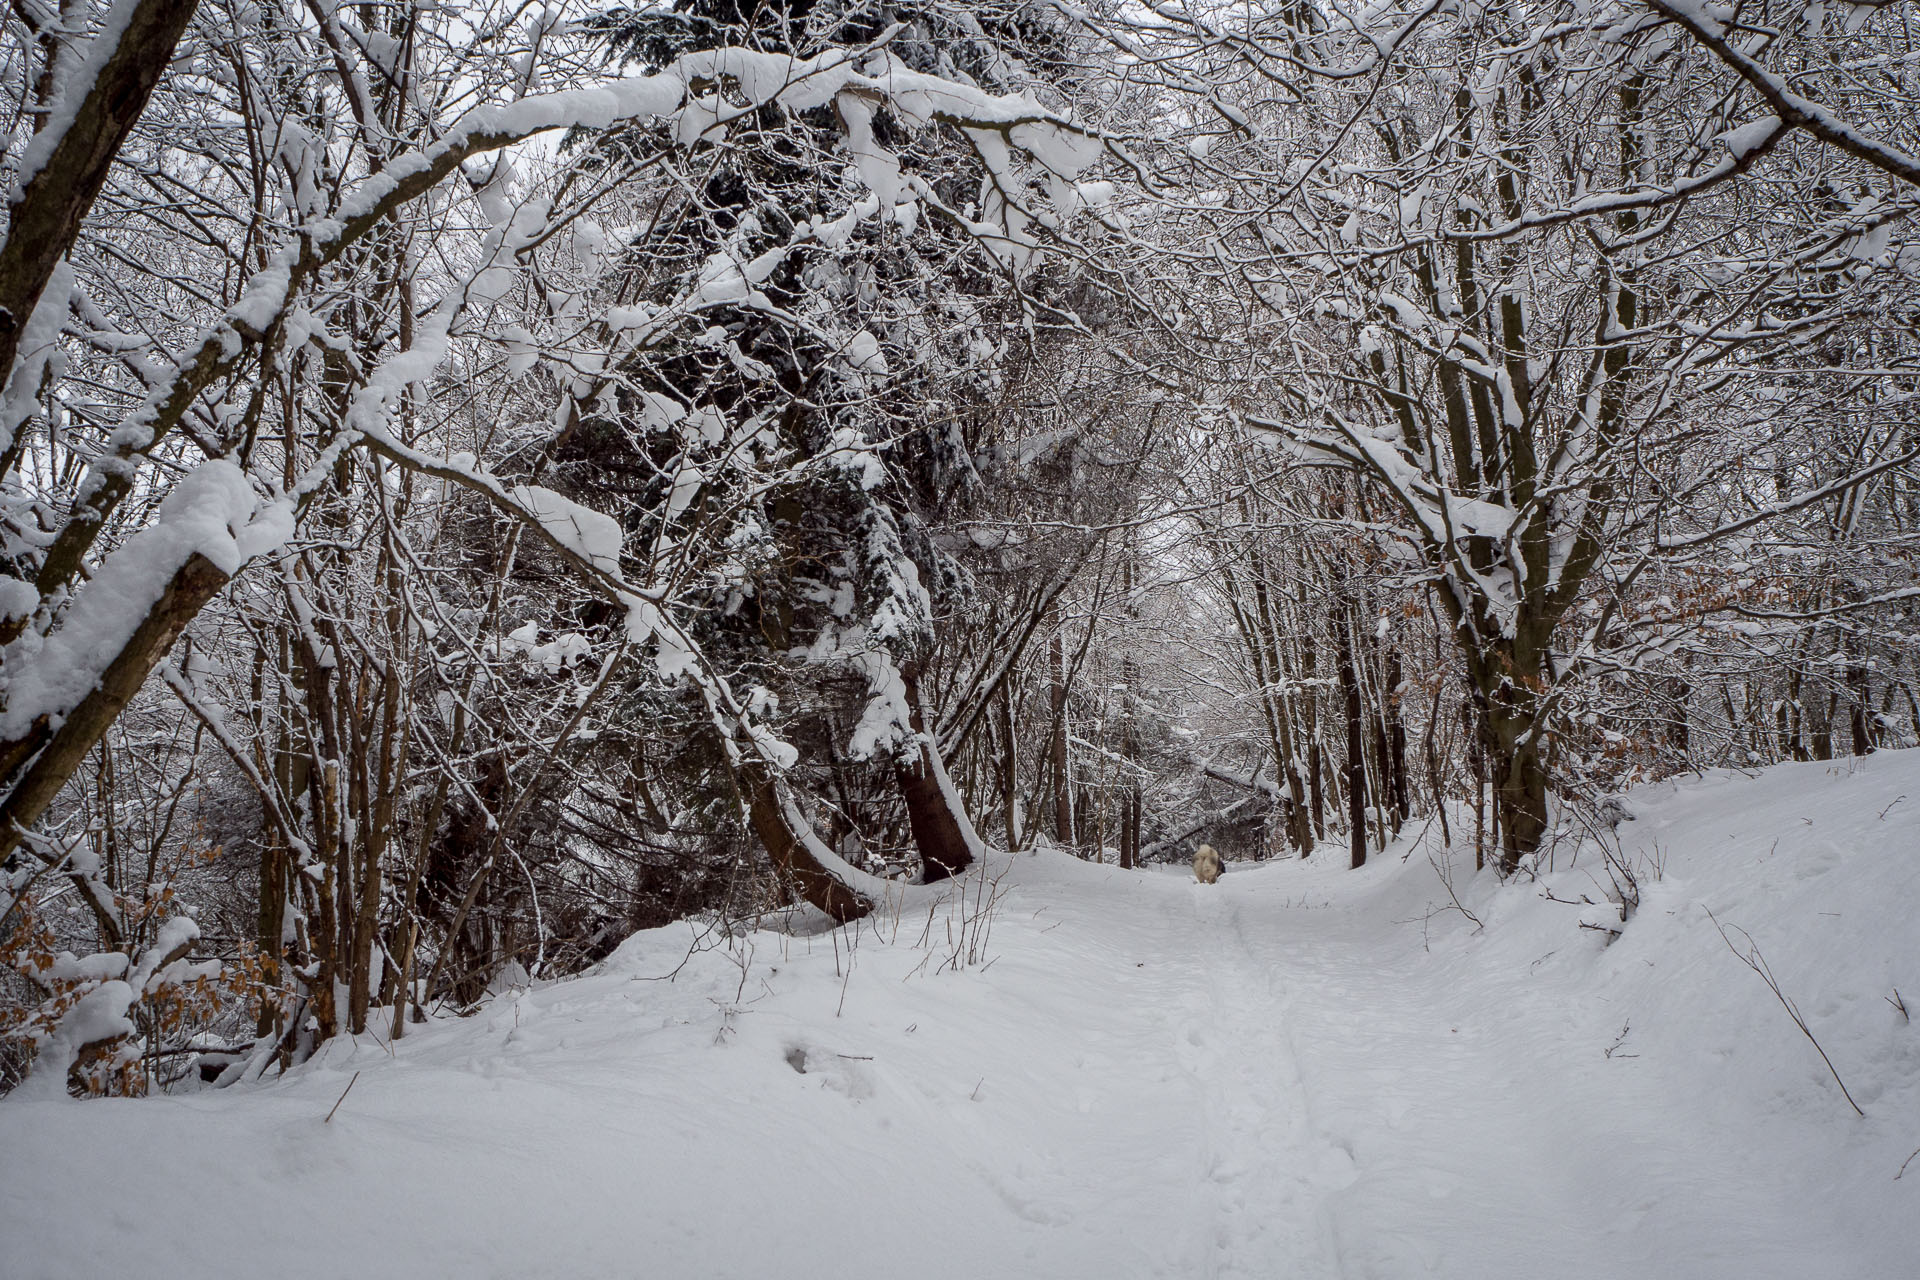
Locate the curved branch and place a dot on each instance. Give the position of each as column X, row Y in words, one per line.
column 1794, row 111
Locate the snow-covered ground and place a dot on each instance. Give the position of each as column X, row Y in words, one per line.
column 1301, row 1072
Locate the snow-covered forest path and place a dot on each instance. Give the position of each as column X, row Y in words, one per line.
column 1351, row 1104
column 1300, row 1072
column 1366, row 1115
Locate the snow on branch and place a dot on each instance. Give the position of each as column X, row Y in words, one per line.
column 216, row 514
column 673, row 95
column 1791, row 110
column 213, row 512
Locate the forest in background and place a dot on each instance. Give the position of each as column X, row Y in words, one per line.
column 482, row 480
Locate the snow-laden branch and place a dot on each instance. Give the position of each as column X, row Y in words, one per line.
column 685, row 96
column 1787, row 506
column 99, row 88
column 53, row 661
column 213, row 512
column 1791, row 110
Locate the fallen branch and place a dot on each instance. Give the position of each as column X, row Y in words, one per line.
column 1195, row 827
column 1246, row 782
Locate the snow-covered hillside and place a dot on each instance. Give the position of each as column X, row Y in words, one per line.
column 1301, row 1072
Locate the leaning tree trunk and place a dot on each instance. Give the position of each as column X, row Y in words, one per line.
column 774, row 822
column 941, row 831
column 45, row 213
column 937, row 833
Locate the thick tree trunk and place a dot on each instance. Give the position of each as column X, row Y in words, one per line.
column 1520, row 804
column 936, row 830
column 773, row 822
column 1509, row 676
column 1823, row 727
column 1859, row 695
column 320, row 943
column 1509, row 733
column 366, row 923
column 940, row 833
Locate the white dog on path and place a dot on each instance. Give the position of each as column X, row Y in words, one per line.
column 1206, row 864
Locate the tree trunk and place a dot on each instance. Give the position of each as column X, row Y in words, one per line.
column 1316, row 791
column 1519, row 787
column 1859, row 693
column 1010, row 767
column 1823, row 728
column 1356, row 780
column 1062, row 759
column 1395, row 748
column 772, row 818
column 1478, row 752
column 937, row 833
column 943, row 836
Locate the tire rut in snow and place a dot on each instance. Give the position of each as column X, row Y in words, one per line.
column 1266, row 1172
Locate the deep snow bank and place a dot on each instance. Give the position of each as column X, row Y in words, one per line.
column 1300, row 1072
column 1647, row 1108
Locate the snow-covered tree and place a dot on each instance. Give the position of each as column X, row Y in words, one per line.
column 352, row 217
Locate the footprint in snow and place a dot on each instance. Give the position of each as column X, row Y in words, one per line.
column 838, row 1072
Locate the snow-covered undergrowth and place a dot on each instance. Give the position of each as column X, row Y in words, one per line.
column 1300, row 1072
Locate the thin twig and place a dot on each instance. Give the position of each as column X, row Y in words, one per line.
column 342, row 1098
column 1758, row 963
column 1446, row 882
